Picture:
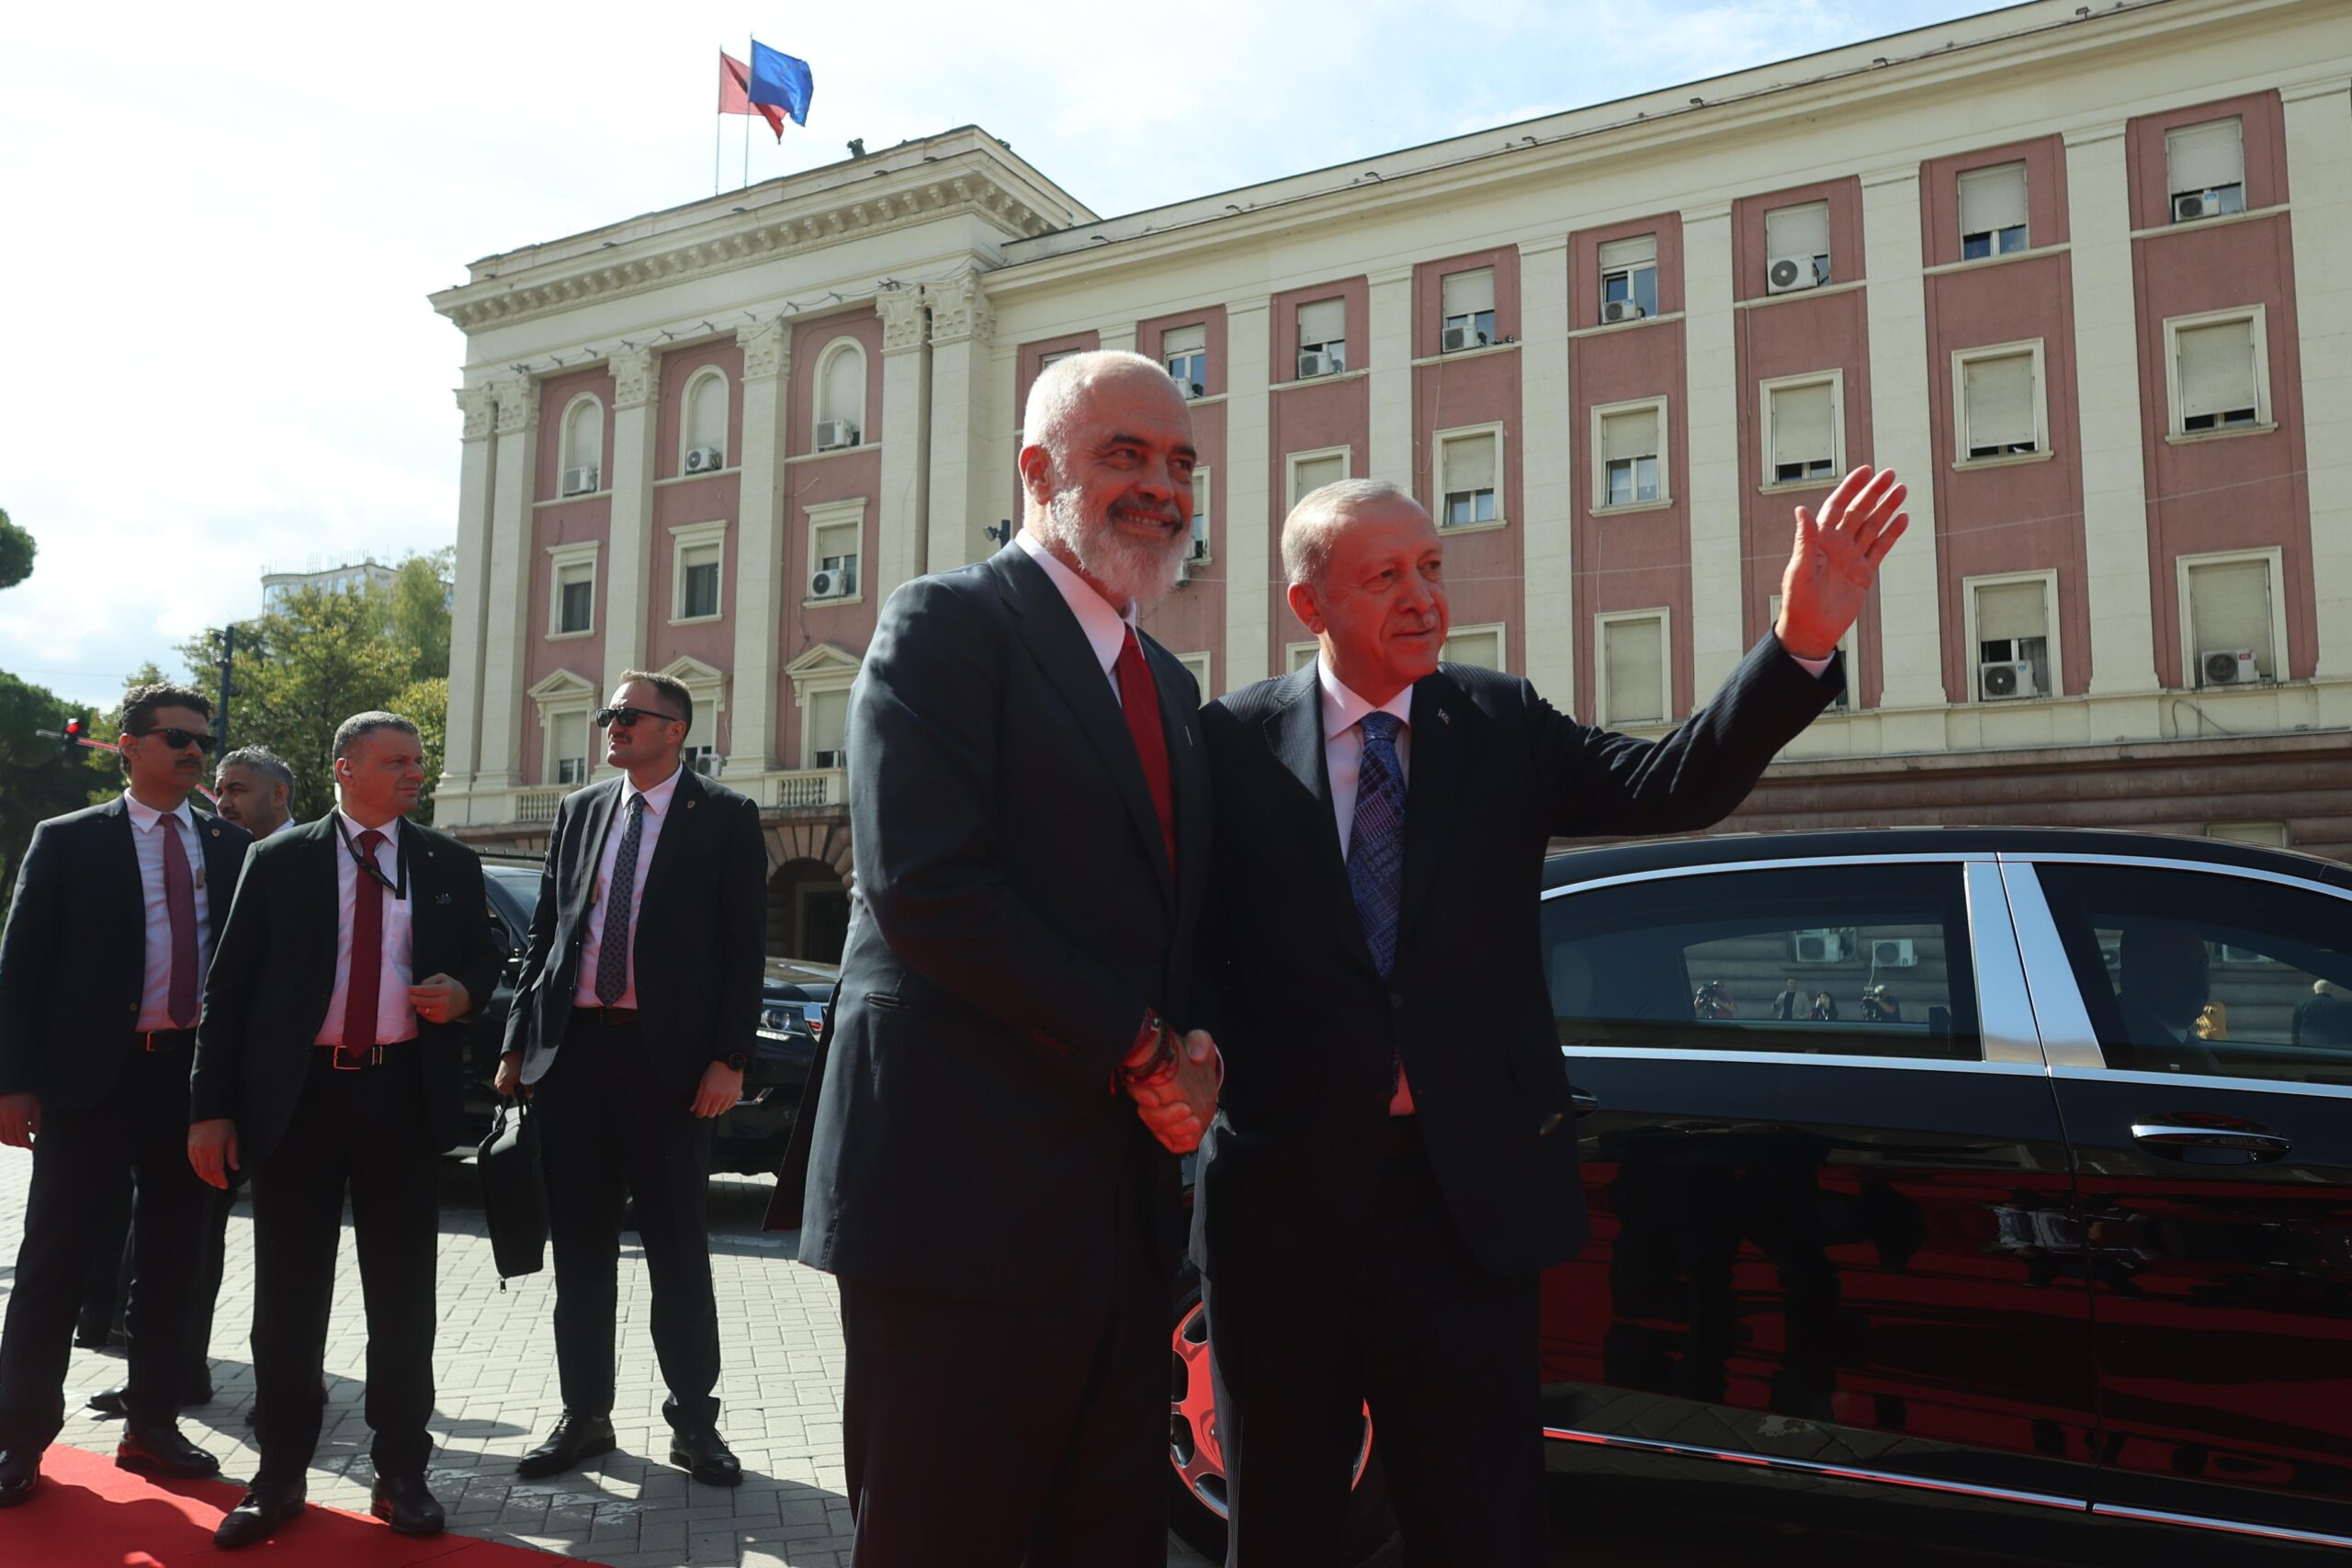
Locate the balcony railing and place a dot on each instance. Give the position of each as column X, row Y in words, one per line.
column 539, row 805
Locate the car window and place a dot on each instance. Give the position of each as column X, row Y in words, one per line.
column 1844, row 959
column 2202, row 972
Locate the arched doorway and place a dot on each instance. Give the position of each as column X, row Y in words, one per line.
column 808, row 912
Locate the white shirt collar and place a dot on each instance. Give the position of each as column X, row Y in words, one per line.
column 143, row 816
column 353, row 827
column 1342, row 709
column 657, row 799
column 1106, row 628
column 285, row 827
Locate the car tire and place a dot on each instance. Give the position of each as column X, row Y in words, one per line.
column 1196, row 1503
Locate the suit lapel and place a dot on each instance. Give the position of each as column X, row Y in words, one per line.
column 1188, row 775
column 597, row 813
column 1295, row 734
column 680, row 822
column 121, row 841
column 1445, row 724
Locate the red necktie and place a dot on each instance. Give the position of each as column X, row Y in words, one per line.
column 179, row 902
column 367, row 953
column 1140, row 700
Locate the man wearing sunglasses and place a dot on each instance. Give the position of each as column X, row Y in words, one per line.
column 101, row 973
column 328, row 1065
column 634, row 1016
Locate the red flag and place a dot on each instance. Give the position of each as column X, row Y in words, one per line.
column 735, row 93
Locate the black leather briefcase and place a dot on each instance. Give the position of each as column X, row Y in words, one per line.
column 514, row 1192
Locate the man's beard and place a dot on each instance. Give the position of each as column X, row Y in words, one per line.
column 1130, row 568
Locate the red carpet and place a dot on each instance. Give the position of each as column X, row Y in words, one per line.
column 87, row 1514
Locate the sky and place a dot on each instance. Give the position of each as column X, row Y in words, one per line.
column 223, row 223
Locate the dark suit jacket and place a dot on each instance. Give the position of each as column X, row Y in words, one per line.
column 1307, row 1025
column 699, row 942
column 273, row 977
column 73, row 961
column 1013, row 916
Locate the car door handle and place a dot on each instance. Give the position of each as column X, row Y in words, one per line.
column 2173, row 1135
column 1584, row 1103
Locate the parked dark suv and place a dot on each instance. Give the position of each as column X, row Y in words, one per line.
column 796, row 1002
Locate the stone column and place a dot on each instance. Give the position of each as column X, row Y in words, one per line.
column 2319, row 170
column 903, row 505
column 1547, row 442
column 628, row 580
column 1901, row 438
column 513, row 562
column 961, row 428
column 1390, row 355
column 1249, row 516
column 467, row 625
column 760, row 603
column 1712, row 427
column 2106, row 365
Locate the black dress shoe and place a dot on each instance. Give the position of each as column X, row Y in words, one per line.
column 111, row 1402
column 576, row 1438
column 406, row 1503
column 161, row 1450
column 19, row 1474
column 264, row 1507
column 705, row 1456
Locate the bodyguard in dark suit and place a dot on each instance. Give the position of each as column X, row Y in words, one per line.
column 328, row 1065
column 990, row 1174
column 636, row 1006
column 101, row 971
column 1395, row 1158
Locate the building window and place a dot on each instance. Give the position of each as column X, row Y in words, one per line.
column 1466, row 300
column 2273, row 834
column 836, row 539
column 1469, row 465
column 1633, row 675
column 1629, row 279
column 1481, row 646
column 566, row 737
column 1310, row 471
column 1802, row 419
column 569, row 733
column 1047, row 361
column 697, row 554
column 2010, row 621
column 1302, row 655
column 1187, row 353
column 827, row 729
column 704, row 450
column 1322, row 338
column 1198, row 665
column 2205, row 169
column 1796, row 247
column 572, row 595
column 1992, row 211
column 705, row 686
column 584, row 446
column 1998, row 393
column 2219, row 369
column 2230, row 617
column 1200, row 515
column 1844, row 701
column 841, row 395
column 1628, row 441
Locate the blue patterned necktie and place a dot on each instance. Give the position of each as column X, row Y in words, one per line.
column 1376, row 842
column 612, row 954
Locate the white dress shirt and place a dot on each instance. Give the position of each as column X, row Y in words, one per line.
column 1106, row 629
column 152, row 840
column 285, row 827
column 395, row 1019
column 1343, row 714
column 657, row 807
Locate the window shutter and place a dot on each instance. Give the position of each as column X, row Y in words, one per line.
column 1632, row 433
column 1640, row 250
column 2229, row 607
column 1484, row 648
column 1302, row 655
column 1314, row 474
column 1635, row 657
column 1466, row 293
column 1999, row 395
column 828, row 723
column 2199, row 157
column 845, row 387
column 1470, row 463
column 1801, row 424
column 1992, row 199
column 1184, row 339
column 571, row 737
column 2008, row 610
column 1323, row 322
column 584, row 443
column 706, row 418
column 2216, row 368
column 1797, row 230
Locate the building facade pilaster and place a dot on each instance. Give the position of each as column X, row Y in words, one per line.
column 1389, row 295
column 760, row 603
column 902, row 514
column 636, row 395
column 1546, row 448
column 468, row 628
column 962, row 330
column 1901, row 438
column 1712, row 433
column 1248, row 521
column 2319, row 175
column 513, row 562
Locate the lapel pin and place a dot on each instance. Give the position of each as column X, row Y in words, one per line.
column 1444, row 716
column 690, row 805
column 440, row 897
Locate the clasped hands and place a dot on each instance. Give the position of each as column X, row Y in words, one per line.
column 1177, row 1103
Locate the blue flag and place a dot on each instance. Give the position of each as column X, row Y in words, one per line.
column 779, row 80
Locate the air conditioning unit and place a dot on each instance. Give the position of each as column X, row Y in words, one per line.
column 705, row 461
column 1820, row 947
column 2192, row 205
column 579, row 482
column 1786, row 275
column 1191, row 389
column 1313, row 363
column 1894, row 952
column 2006, row 678
column 1453, row 339
column 1200, row 550
column 828, row 585
column 2227, row 667
column 1613, row 310
column 832, row 434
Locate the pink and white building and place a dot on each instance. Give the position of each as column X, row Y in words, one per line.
column 2083, row 276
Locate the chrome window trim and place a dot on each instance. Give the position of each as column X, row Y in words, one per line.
column 2064, row 1024
column 2295, row 1087
column 1796, row 862
column 2004, row 1022
column 2231, row 1526
column 2221, row 868
column 1802, row 1059
column 1814, row 1467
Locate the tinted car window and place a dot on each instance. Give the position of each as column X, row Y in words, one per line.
column 1851, row 959
column 2199, row 972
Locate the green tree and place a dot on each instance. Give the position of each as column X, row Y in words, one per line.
column 418, row 614
column 17, row 552
column 37, row 781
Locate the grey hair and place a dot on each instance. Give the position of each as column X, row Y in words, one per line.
column 361, row 725
column 262, row 761
column 1315, row 523
column 1055, row 396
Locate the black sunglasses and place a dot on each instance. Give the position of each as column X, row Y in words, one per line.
column 607, row 717
column 178, row 739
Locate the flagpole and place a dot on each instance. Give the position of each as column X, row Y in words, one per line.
column 747, row 132
column 718, row 125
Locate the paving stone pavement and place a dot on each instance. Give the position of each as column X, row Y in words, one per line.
column 496, row 1395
